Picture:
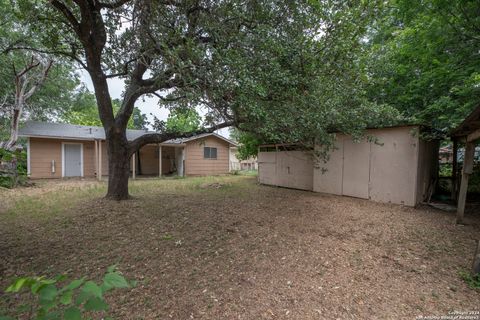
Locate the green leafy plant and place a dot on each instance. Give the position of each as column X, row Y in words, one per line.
column 59, row 299
column 13, row 168
column 473, row 281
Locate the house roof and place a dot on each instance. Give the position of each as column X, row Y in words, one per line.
column 204, row 135
column 78, row 132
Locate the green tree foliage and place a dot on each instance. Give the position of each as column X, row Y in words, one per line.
column 284, row 70
column 59, row 299
column 423, row 60
column 248, row 143
column 13, row 168
column 308, row 79
column 53, row 96
column 183, row 120
column 84, row 111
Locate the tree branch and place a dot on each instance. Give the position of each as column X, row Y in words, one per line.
column 125, row 69
column 67, row 14
column 113, row 5
column 40, row 82
column 160, row 137
column 70, row 55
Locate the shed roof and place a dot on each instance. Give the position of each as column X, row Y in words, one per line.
column 78, row 132
column 469, row 125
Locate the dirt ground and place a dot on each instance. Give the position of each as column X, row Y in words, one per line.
column 231, row 249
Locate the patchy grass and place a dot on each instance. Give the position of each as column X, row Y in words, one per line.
column 48, row 199
column 228, row 248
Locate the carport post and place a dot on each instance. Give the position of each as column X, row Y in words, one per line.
column 454, row 169
column 466, row 171
column 133, row 165
column 159, row 161
column 99, row 160
column 95, row 142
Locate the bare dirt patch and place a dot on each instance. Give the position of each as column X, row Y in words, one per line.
column 244, row 251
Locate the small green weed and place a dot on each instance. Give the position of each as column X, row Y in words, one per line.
column 473, row 281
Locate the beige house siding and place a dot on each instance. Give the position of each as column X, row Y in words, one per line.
column 197, row 165
column 44, row 151
column 149, row 160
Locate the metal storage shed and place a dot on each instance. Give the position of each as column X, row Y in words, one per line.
column 397, row 166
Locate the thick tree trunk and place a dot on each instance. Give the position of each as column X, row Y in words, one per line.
column 118, row 166
column 12, row 141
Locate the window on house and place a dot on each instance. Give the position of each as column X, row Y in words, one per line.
column 209, row 153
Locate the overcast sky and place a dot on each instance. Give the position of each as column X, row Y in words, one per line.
column 148, row 106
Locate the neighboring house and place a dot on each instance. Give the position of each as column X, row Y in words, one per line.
column 446, row 154
column 398, row 167
column 236, row 164
column 56, row 150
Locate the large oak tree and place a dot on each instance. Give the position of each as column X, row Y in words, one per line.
column 286, row 70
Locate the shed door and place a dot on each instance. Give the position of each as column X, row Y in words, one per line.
column 267, row 162
column 73, row 160
column 356, row 167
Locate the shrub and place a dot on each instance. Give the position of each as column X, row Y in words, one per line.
column 69, row 301
column 13, row 168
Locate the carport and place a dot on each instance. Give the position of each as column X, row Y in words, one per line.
column 469, row 133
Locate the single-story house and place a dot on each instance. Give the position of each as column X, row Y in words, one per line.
column 57, row 150
column 398, row 166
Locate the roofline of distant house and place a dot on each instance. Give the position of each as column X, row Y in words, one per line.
column 88, row 139
column 200, row 136
column 196, row 137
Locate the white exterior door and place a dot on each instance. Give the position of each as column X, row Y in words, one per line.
column 72, row 160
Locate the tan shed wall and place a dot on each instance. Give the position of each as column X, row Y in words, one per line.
column 294, row 170
column 356, row 163
column 196, row 165
column 328, row 176
column 393, row 166
column 383, row 171
column 267, row 168
column 290, row 169
column 397, row 167
column 43, row 151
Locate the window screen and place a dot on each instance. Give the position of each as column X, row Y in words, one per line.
column 210, row 153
